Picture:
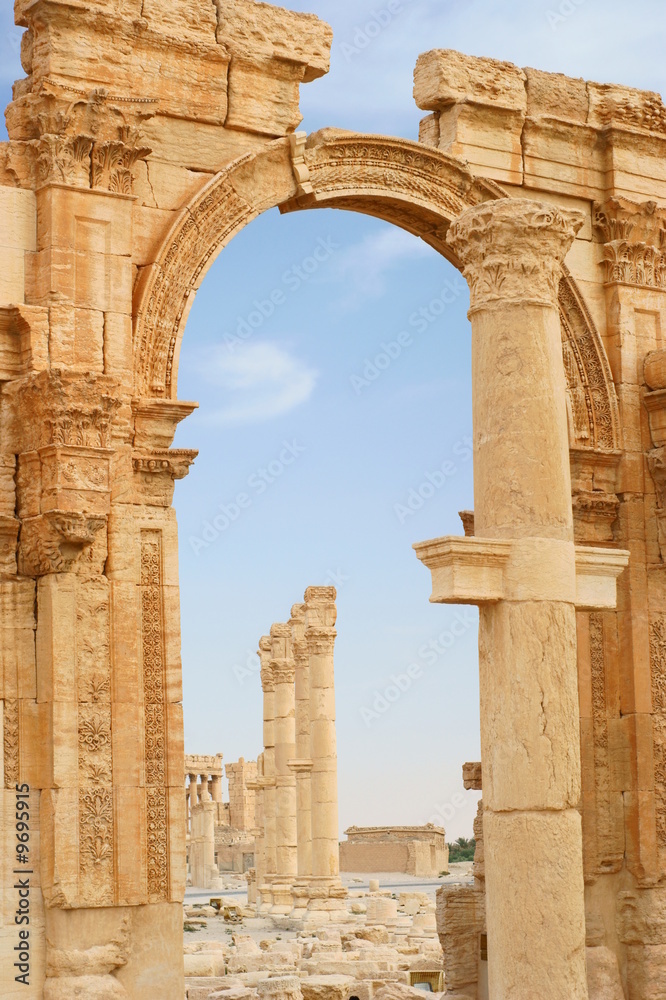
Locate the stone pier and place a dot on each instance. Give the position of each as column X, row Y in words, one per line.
column 521, row 568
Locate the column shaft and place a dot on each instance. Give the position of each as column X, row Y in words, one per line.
column 320, row 616
column 303, row 764
column 512, row 253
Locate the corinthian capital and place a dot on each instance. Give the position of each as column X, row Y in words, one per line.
column 512, row 250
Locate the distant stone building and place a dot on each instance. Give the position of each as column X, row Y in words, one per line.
column 409, row 850
column 221, row 834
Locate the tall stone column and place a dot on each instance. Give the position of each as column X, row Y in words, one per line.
column 216, row 788
column 525, row 560
column 302, row 765
column 284, row 674
column 267, row 781
column 326, row 893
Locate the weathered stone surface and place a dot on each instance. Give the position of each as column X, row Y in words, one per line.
column 128, row 168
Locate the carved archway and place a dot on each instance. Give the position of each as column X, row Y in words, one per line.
column 415, row 187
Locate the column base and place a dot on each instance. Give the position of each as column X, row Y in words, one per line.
column 281, row 892
column 265, row 896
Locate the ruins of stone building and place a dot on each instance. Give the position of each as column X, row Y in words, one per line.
column 411, row 850
column 128, row 169
column 220, row 834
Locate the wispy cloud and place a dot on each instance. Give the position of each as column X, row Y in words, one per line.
column 366, row 267
column 259, row 381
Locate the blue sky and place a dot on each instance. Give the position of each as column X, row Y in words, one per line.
column 330, row 355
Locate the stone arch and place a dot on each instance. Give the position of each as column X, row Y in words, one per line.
column 416, row 187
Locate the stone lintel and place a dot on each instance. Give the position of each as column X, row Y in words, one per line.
column 483, row 571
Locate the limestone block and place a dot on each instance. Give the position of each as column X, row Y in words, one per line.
column 443, row 77
column 280, row 988
column 460, row 920
column 544, row 845
column 398, row 991
column 18, row 219
column 328, row 987
column 12, row 277
column 92, row 222
column 554, row 95
column 531, row 759
column 261, row 29
column 380, row 910
column 196, row 146
column 182, row 18
column 206, row 964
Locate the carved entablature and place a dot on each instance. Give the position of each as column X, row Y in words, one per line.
column 634, row 236
column 156, row 472
column 204, row 764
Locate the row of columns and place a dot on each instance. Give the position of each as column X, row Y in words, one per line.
column 204, row 777
column 298, row 868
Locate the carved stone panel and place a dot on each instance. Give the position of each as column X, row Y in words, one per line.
column 152, row 631
column 658, row 666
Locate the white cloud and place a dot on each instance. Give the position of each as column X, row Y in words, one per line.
column 366, row 266
column 259, row 381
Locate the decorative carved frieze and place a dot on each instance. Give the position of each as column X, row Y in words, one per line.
column 607, row 856
column 512, row 250
column 11, row 741
column 52, row 542
column 154, row 689
column 658, row 668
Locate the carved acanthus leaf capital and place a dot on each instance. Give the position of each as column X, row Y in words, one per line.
column 284, row 671
column 267, row 680
column 320, row 640
column 512, row 250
